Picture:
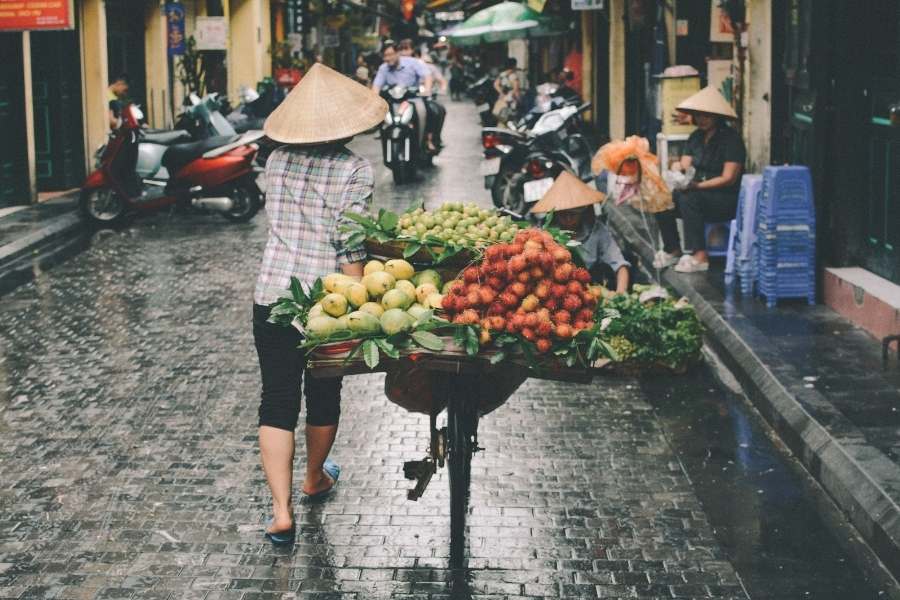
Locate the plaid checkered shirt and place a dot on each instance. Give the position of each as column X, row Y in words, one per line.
column 307, row 192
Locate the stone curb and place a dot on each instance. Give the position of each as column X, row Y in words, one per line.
column 860, row 479
column 59, row 238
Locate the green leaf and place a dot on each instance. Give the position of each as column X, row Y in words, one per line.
column 428, row 340
column 548, row 220
column 388, row 220
column 361, row 219
column 356, row 239
column 471, row 344
column 498, row 357
column 411, row 249
column 297, row 292
column 381, row 236
column 388, row 348
column 370, row 353
column 425, row 319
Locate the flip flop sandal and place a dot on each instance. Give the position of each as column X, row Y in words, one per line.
column 284, row 537
column 334, row 471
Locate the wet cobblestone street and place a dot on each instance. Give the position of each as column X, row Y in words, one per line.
column 128, row 399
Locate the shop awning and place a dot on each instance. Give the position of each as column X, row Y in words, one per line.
column 505, row 21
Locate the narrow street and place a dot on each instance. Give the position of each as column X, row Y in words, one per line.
column 128, row 404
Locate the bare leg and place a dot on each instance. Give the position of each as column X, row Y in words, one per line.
column 319, row 440
column 277, row 449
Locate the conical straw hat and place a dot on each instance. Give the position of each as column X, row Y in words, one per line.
column 708, row 100
column 324, row 107
column 567, row 192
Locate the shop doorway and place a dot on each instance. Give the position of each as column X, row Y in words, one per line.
column 56, row 90
column 125, row 47
column 13, row 150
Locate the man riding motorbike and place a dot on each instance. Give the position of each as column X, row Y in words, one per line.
column 407, row 71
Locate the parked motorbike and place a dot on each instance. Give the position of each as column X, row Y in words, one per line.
column 519, row 167
column 211, row 175
column 403, row 133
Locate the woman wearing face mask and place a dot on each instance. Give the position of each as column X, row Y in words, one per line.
column 717, row 153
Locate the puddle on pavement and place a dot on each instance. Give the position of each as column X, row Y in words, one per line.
column 771, row 531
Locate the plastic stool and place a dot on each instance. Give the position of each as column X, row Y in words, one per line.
column 721, row 249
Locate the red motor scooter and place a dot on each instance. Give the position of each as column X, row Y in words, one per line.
column 211, row 175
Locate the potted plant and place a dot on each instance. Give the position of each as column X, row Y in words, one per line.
column 288, row 68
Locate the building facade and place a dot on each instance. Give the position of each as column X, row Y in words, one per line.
column 53, row 87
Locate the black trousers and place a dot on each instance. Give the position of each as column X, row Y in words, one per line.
column 434, row 122
column 696, row 208
column 283, row 367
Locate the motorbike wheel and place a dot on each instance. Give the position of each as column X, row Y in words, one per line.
column 102, row 207
column 403, row 173
column 246, row 196
column 498, row 188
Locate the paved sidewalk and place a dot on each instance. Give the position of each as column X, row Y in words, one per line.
column 817, row 379
column 37, row 236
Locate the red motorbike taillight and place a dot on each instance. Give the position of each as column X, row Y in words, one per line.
column 536, row 169
column 490, row 140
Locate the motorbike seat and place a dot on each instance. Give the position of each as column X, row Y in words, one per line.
column 178, row 155
column 166, row 138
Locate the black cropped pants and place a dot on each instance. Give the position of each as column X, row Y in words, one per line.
column 283, row 367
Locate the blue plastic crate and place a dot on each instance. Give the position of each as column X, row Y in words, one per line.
column 786, row 191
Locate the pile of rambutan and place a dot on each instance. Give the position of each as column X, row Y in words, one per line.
column 528, row 287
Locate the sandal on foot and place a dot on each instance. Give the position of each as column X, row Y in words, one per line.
column 284, row 537
column 333, row 470
column 663, row 259
column 689, row 264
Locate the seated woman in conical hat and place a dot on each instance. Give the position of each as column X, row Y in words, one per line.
column 312, row 180
column 717, row 153
column 572, row 203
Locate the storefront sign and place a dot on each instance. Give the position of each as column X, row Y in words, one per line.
column 211, row 33
column 588, row 4
column 36, row 15
column 175, row 28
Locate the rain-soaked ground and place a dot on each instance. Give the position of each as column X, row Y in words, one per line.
column 129, row 469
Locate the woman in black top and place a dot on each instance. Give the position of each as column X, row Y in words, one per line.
column 717, row 153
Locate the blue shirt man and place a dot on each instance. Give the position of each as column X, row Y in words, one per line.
column 401, row 70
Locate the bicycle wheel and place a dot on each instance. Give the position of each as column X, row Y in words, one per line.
column 460, row 428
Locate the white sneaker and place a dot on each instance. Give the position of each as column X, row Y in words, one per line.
column 688, row 264
column 663, row 259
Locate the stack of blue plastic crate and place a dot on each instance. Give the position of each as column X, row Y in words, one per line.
column 743, row 250
column 785, row 235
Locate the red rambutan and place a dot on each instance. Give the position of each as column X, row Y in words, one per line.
column 544, row 328
column 561, row 255
column 582, row 275
column 470, row 275
column 528, row 334
column 496, row 308
column 572, row 303
column 563, row 272
column 509, row 299
column 562, row 317
column 574, row 287
column 564, row 331
column 585, row 314
column 558, row 291
column 518, row 288
column 543, row 345
column 517, row 263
